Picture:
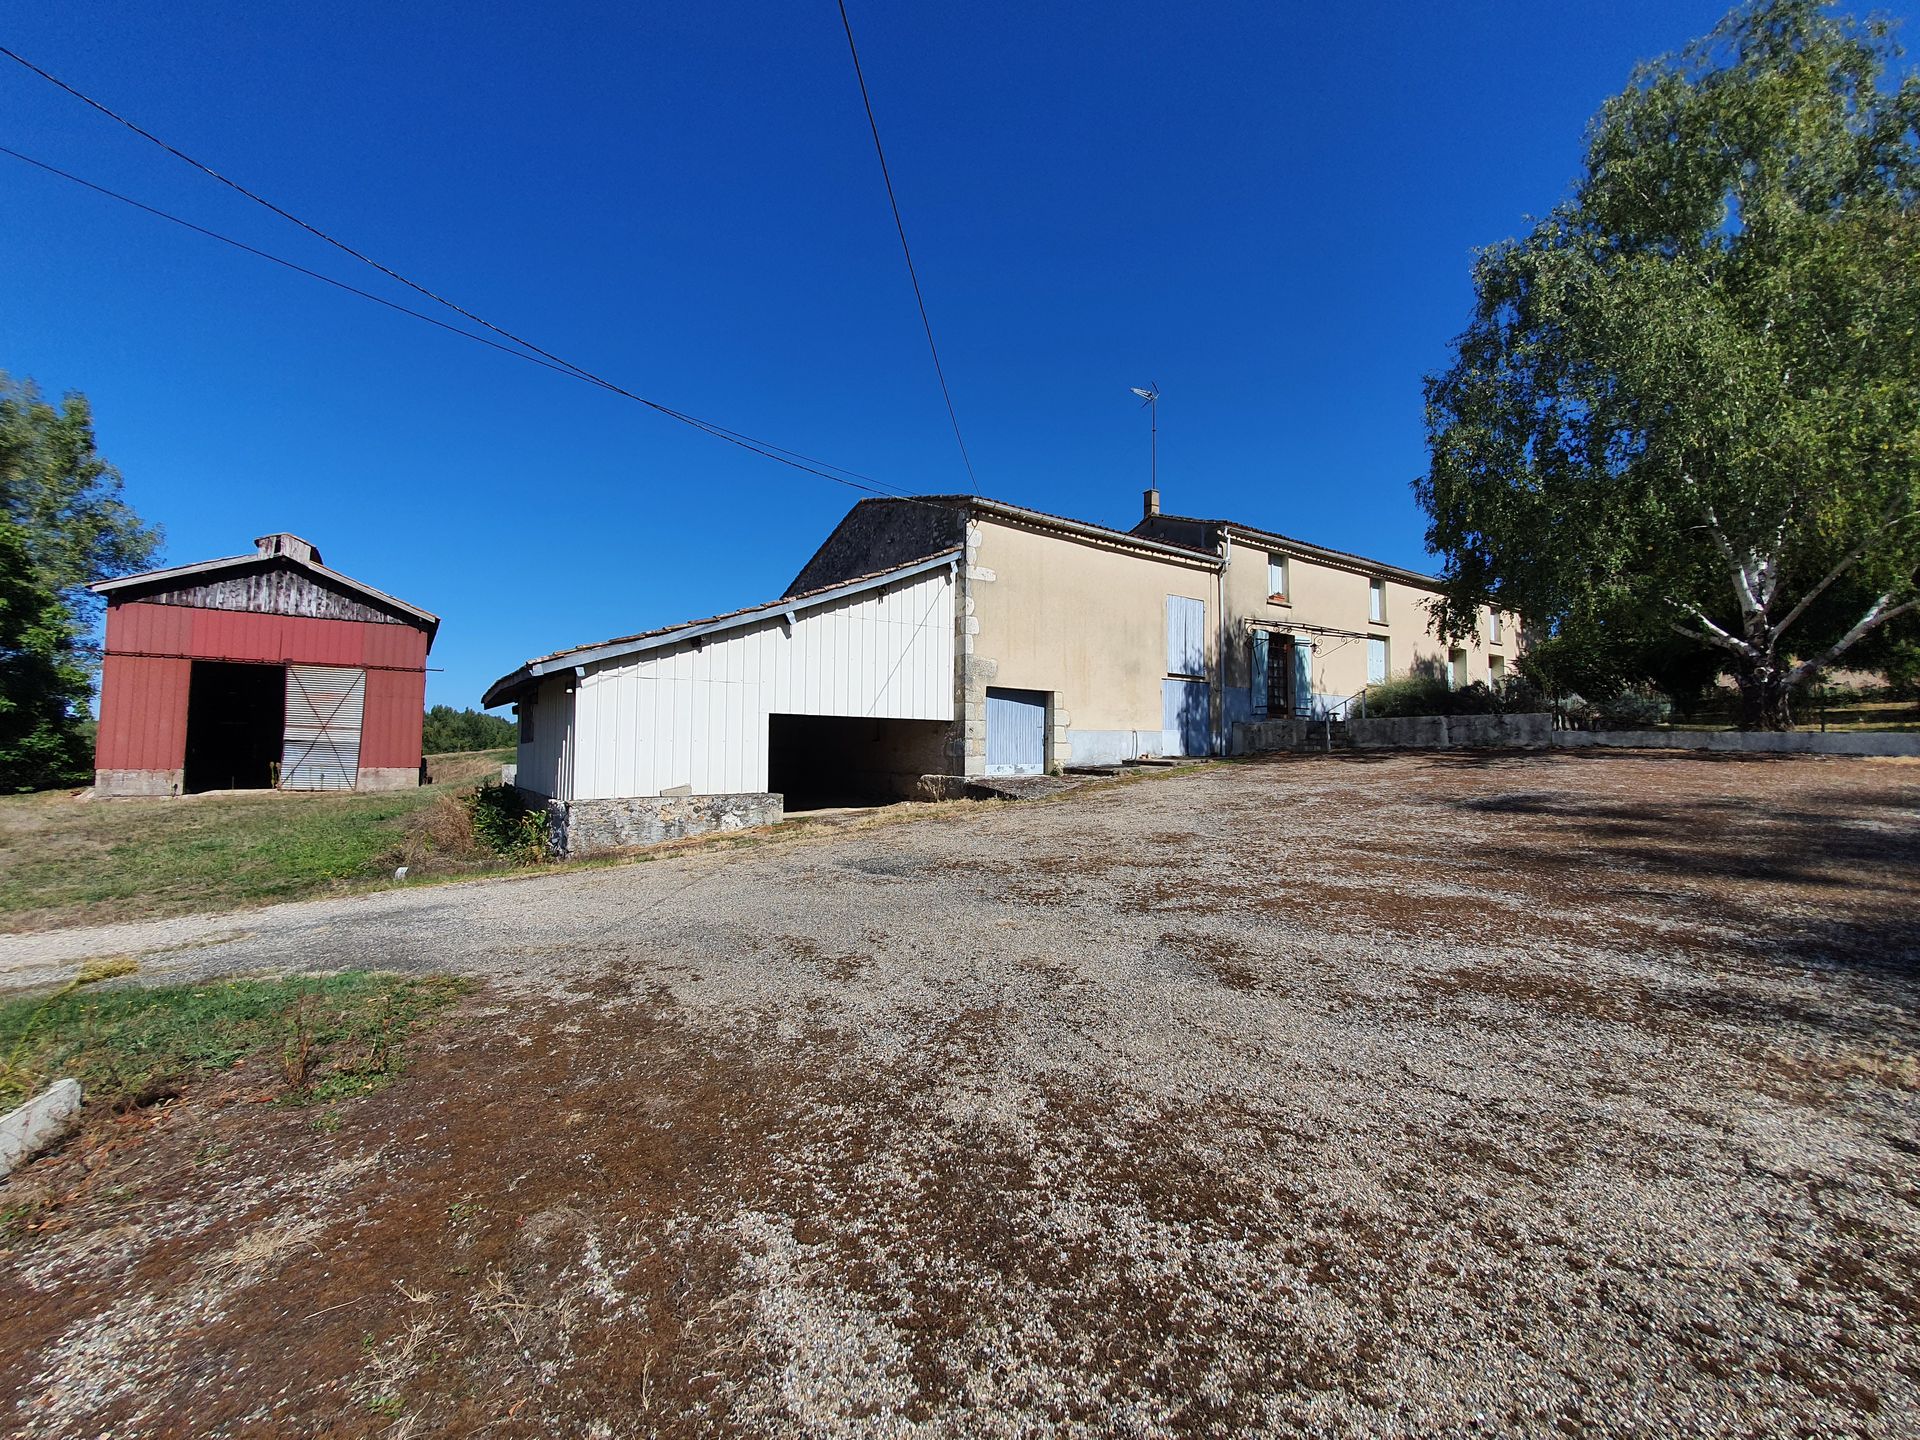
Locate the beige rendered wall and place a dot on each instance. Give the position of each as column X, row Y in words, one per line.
column 1082, row 621
column 1337, row 598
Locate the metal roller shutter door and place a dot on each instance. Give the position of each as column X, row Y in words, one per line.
column 322, row 737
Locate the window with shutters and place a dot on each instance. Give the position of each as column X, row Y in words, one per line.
column 1495, row 629
column 1377, row 601
column 1277, row 579
column 1376, row 660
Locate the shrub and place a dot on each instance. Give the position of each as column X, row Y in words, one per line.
column 1634, row 710
column 505, row 823
column 1408, row 695
column 1431, row 695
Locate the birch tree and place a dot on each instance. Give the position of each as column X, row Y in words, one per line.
column 1689, row 398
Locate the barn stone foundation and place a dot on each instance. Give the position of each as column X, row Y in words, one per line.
column 587, row 827
column 386, row 778
column 117, row 784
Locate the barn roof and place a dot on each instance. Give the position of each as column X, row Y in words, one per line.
column 271, row 552
column 507, row 686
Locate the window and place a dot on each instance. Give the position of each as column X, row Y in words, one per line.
column 1376, row 660
column 525, row 711
column 1494, row 627
column 1377, row 601
column 1496, row 669
column 1457, row 669
column 1276, row 577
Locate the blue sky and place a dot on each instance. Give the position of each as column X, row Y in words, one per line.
column 1267, row 209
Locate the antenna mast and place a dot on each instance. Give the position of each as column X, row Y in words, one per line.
column 1150, row 398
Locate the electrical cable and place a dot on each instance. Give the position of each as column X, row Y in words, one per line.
column 905, row 249
column 766, row 449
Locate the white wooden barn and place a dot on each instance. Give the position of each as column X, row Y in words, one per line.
column 850, row 686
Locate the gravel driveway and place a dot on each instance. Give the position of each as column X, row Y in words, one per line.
column 1406, row 1095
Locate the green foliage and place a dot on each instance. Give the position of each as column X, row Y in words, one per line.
column 1685, row 404
column 508, row 825
column 63, row 525
column 449, row 730
column 1421, row 694
column 1407, row 695
column 56, row 487
column 127, row 1045
column 43, row 682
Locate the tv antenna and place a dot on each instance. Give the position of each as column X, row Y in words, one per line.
column 1149, row 398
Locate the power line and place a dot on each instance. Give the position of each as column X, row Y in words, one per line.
column 905, row 249
column 546, row 358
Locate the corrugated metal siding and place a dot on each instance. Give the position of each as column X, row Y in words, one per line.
column 545, row 762
column 143, row 701
column 324, row 707
column 143, row 714
column 698, row 716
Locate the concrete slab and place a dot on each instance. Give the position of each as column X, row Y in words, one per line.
column 43, row 1121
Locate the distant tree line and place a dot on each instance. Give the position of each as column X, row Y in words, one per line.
column 449, row 730
column 63, row 525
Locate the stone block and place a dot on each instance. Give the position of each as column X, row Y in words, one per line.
column 386, row 778
column 43, row 1121
column 587, row 827
column 119, row 783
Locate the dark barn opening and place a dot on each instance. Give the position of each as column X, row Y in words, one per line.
column 235, row 717
column 819, row 761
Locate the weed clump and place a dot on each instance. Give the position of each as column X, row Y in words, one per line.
column 505, row 823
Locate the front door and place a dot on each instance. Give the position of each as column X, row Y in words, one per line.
column 1016, row 732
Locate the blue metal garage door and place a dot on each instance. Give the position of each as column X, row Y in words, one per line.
column 1016, row 732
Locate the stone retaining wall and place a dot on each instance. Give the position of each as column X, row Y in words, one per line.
column 1453, row 732
column 585, row 827
column 1746, row 742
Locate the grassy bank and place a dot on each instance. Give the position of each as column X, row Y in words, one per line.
column 68, row 861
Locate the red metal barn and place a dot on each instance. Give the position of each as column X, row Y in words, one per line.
column 259, row 671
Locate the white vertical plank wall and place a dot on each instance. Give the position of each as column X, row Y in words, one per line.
column 546, row 761
column 696, row 714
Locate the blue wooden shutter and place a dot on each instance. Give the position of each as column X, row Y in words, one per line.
column 1259, row 685
column 1376, row 660
column 1186, row 642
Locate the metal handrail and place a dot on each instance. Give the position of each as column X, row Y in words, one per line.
column 1345, row 708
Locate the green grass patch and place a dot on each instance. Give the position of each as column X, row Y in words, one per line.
column 76, row 862
column 329, row 1036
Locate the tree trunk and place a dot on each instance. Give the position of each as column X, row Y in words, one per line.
column 1765, row 701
